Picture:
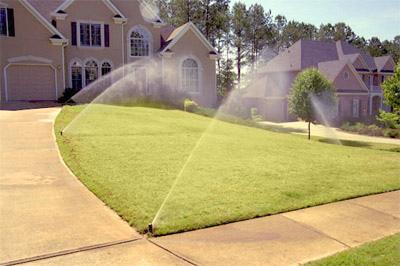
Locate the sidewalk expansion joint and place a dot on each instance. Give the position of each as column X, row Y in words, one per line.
column 172, row 253
column 68, row 252
column 375, row 210
column 318, row 231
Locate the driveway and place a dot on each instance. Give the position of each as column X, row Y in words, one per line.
column 300, row 127
column 44, row 208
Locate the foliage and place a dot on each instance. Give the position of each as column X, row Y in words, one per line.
column 130, row 156
column 378, row 253
column 392, row 133
column 240, row 24
column 391, row 90
column 67, row 95
column 311, row 88
column 226, row 78
column 388, row 120
column 190, row 105
column 254, row 115
column 371, row 130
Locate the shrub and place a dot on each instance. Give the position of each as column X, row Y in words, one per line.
column 67, row 95
column 389, row 120
column 254, row 115
column 392, row 133
column 190, row 106
column 371, row 130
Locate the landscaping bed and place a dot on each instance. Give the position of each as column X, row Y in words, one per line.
column 130, row 158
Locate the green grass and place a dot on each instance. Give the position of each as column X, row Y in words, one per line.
column 383, row 252
column 130, row 156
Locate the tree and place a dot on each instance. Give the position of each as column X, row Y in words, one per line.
column 311, row 91
column 226, row 79
column 295, row 31
column 391, row 90
column 258, row 32
column 338, row 32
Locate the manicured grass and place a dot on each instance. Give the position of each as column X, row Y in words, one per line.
column 383, row 252
column 130, row 156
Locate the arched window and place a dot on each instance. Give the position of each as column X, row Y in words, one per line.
column 91, row 72
column 139, row 42
column 76, row 75
column 190, row 75
column 105, row 68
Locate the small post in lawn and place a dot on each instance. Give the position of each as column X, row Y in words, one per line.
column 309, row 130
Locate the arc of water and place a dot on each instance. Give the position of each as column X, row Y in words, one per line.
column 179, row 175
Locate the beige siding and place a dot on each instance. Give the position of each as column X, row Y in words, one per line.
column 189, row 46
column 31, row 39
column 350, row 84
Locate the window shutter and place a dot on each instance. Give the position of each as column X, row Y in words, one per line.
column 73, row 33
column 10, row 22
column 106, row 35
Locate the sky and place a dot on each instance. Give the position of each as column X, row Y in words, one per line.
column 367, row 18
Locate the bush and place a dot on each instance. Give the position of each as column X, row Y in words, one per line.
column 254, row 115
column 371, row 130
column 389, row 120
column 392, row 133
column 190, row 106
column 67, row 95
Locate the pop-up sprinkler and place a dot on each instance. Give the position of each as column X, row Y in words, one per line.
column 150, row 228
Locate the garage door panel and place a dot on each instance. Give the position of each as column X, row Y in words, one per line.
column 30, row 82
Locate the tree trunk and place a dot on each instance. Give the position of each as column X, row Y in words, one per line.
column 309, row 130
column 239, row 59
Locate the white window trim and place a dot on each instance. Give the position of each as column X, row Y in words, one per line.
column 1, row 7
column 200, row 67
column 352, row 108
column 107, row 61
column 78, row 33
column 70, row 71
column 84, row 68
column 128, row 41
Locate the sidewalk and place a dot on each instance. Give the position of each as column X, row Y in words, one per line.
column 285, row 239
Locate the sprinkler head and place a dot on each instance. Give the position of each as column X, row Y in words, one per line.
column 61, row 132
column 150, row 228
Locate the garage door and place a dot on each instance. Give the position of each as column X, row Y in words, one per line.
column 30, row 82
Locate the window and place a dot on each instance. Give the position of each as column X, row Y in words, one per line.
column 3, row 21
column 356, row 108
column 76, row 75
column 90, row 34
column 139, row 41
column 190, row 75
column 105, row 68
column 91, row 72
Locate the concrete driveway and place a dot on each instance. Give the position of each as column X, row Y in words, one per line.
column 44, row 208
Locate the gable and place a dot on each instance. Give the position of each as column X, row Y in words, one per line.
column 389, row 66
column 349, row 81
column 107, row 3
column 191, row 30
column 79, row 9
column 359, row 63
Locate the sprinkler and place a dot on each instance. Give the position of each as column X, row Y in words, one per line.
column 61, row 132
column 150, row 228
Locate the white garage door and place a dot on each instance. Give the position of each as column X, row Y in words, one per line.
column 30, row 82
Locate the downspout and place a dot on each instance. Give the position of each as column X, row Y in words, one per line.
column 63, row 63
column 123, row 50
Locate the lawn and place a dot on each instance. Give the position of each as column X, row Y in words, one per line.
column 383, row 252
column 130, row 157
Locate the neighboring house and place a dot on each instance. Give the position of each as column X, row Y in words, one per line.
column 356, row 76
column 49, row 45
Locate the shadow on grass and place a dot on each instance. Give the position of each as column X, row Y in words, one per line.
column 362, row 144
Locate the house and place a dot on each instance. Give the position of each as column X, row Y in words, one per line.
column 49, row 45
column 356, row 76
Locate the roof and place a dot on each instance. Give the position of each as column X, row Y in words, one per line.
column 27, row 4
column 345, row 48
column 179, row 32
column 331, row 69
column 45, row 7
column 381, row 61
